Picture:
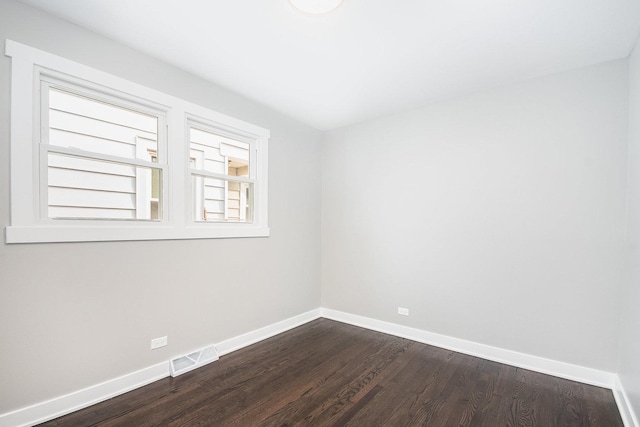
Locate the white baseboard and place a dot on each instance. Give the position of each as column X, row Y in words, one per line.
column 66, row 404
column 624, row 405
column 513, row 358
column 71, row 402
column 244, row 340
column 59, row 406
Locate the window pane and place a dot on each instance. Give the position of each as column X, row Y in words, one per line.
column 85, row 188
column 222, row 200
column 217, row 153
column 87, row 124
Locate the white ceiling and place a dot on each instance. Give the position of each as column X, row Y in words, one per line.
column 367, row 58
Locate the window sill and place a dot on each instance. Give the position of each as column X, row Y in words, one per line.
column 56, row 234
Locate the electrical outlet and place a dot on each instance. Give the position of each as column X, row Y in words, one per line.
column 158, row 342
column 403, row 311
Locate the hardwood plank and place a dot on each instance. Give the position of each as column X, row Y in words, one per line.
column 402, row 394
column 326, row 373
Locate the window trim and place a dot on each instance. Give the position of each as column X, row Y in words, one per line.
column 27, row 225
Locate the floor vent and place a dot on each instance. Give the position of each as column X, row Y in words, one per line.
column 192, row 361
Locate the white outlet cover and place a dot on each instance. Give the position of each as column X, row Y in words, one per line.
column 403, row 311
column 158, row 342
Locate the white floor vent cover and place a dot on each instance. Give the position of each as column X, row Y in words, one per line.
column 194, row 360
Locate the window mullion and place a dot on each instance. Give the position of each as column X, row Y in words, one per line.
column 176, row 149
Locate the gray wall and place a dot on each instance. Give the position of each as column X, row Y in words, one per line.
column 74, row 315
column 496, row 218
column 629, row 369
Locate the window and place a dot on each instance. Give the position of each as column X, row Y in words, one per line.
column 101, row 157
column 95, row 157
column 222, row 173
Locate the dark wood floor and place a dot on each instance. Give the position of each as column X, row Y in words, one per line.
column 327, row 373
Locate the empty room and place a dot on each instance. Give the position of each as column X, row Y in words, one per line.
column 320, row 212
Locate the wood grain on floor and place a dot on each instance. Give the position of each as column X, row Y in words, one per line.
column 327, row 373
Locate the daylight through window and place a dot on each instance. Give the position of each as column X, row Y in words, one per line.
column 102, row 158
column 95, row 157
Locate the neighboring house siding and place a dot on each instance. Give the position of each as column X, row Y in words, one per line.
column 218, row 154
column 81, row 187
column 86, row 188
column 205, row 155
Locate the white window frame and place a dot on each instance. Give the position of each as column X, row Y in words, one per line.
column 206, row 126
column 47, row 79
column 29, row 222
